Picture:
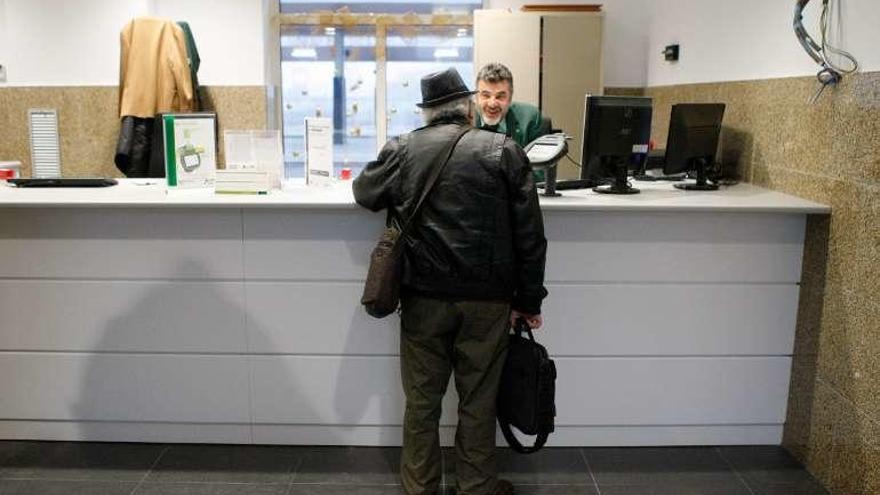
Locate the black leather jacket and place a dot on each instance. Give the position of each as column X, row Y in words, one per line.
column 480, row 234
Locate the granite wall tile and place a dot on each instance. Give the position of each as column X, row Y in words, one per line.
column 611, row 91
column 827, row 152
column 89, row 124
column 797, row 434
column 5, row 125
column 855, row 122
column 825, row 409
column 841, row 361
column 855, row 455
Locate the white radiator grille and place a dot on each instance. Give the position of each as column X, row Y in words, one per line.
column 45, row 145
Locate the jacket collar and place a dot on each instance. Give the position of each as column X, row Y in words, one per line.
column 449, row 120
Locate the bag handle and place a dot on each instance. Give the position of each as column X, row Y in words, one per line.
column 521, row 327
column 514, row 442
column 445, row 154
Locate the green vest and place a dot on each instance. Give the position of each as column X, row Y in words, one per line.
column 522, row 123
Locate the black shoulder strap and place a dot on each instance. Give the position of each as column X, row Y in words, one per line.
column 515, row 443
column 436, row 169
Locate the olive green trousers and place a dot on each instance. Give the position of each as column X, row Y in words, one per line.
column 440, row 337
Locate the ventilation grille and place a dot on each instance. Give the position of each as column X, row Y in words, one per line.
column 45, row 146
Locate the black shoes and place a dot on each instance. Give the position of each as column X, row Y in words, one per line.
column 504, row 487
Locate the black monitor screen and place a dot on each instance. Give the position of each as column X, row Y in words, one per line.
column 694, row 129
column 615, row 129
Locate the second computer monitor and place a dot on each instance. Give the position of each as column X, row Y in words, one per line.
column 616, row 129
column 694, row 129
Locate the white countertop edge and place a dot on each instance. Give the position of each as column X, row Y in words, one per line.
column 655, row 197
column 807, row 210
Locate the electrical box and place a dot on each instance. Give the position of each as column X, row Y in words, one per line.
column 670, row 53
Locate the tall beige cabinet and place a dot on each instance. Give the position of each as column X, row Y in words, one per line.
column 556, row 59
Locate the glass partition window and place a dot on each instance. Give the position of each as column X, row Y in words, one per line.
column 329, row 72
column 412, row 52
column 360, row 64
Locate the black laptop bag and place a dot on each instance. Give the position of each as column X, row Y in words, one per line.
column 527, row 392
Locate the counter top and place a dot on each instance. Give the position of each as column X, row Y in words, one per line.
column 140, row 193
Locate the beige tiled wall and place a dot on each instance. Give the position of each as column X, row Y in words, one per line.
column 828, row 152
column 89, row 123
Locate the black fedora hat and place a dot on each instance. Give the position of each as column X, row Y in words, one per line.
column 440, row 87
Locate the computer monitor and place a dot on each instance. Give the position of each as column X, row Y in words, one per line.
column 616, row 132
column 694, row 129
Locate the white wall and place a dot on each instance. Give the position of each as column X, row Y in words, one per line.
column 229, row 36
column 43, row 43
column 56, row 42
column 47, row 44
column 723, row 40
column 3, row 31
column 626, row 27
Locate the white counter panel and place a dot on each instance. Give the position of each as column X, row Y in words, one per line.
column 309, row 245
column 127, row 431
column 316, row 318
column 670, row 319
column 672, row 391
column 581, row 320
column 120, row 244
column 124, row 387
column 132, row 315
column 583, row 246
column 353, row 390
column 669, row 247
column 139, row 316
column 589, row 391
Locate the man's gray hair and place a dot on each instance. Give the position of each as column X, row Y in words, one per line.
column 458, row 108
column 495, row 72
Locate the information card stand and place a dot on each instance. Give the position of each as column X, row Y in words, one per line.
column 190, row 150
column 319, row 151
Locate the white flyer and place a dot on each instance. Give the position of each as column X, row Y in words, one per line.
column 319, row 150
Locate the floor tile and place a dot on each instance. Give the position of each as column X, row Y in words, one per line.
column 50, row 468
column 684, row 488
column 321, row 489
column 210, row 489
column 52, row 487
column 10, row 449
column 547, row 466
column 78, row 460
column 771, row 469
column 556, row 490
column 226, row 464
column 658, row 466
column 804, row 487
column 349, row 465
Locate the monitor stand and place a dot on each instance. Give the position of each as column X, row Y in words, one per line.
column 702, row 184
column 620, row 184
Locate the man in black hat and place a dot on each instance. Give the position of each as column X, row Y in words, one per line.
column 474, row 261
